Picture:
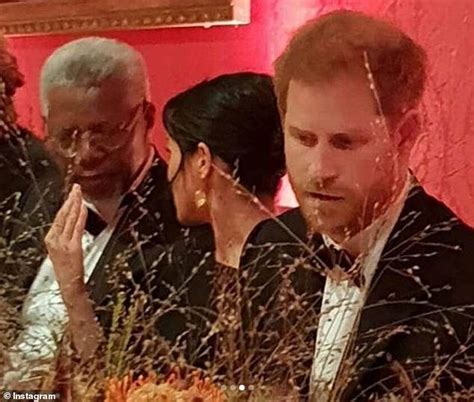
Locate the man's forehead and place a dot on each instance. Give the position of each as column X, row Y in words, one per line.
column 97, row 95
column 72, row 103
column 336, row 102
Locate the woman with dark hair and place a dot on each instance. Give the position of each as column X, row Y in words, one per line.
column 226, row 161
column 226, row 157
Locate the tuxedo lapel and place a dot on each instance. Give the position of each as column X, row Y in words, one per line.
column 148, row 219
column 382, row 319
column 397, row 289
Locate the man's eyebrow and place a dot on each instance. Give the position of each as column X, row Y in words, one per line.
column 350, row 130
column 301, row 131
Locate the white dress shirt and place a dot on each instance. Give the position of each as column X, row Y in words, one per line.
column 343, row 302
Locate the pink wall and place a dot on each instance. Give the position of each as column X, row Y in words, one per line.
column 178, row 58
column 444, row 157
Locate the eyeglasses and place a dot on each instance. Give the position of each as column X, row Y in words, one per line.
column 105, row 138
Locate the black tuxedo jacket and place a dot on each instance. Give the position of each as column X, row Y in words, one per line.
column 416, row 327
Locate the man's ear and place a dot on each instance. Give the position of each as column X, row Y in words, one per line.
column 203, row 160
column 46, row 138
column 407, row 131
column 44, row 126
column 149, row 113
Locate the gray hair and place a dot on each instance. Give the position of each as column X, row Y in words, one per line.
column 88, row 62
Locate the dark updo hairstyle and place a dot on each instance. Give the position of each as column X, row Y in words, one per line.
column 9, row 73
column 10, row 80
column 236, row 116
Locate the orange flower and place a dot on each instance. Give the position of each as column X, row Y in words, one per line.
column 118, row 390
column 203, row 391
column 154, row 393
column 174, row 389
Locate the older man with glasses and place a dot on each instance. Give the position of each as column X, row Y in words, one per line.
column 97, row 115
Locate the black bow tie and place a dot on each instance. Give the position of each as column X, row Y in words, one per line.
column 329, row 256
column 335, row 259
column 340, row 258
column 94, row 223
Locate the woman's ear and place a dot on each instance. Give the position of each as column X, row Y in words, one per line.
column 203, row 160
column 149, row 113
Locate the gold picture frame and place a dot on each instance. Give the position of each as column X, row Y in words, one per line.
column 45, row 17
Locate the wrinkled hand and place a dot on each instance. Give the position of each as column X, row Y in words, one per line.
column 64, row 243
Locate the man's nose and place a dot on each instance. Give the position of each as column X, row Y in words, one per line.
column 324, row 164
column 86, row 153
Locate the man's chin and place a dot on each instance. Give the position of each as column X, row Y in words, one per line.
column 97, row 190
column 322, row 223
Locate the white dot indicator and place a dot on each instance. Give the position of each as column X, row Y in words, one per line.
column 241, row 387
